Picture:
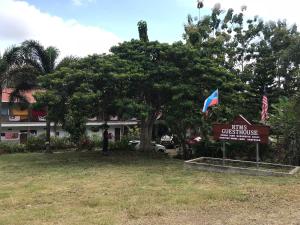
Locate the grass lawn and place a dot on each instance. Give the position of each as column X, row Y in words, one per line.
column 130, row 188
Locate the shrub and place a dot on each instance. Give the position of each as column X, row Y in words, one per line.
column 207, row 149
column 6, row 147
column 89, row 143
column 96, row 140
column 35, row 144
column 120, row 145
column 58, row 143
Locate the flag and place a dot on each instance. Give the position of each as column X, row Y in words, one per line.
column 212, row 100
column 264, row 107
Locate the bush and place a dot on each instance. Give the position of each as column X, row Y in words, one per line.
column 6, row 148
column 89, row 143
column 120, row 145
column 96, row 141
column 35, row 144
column 207, row 149
column 58, row 143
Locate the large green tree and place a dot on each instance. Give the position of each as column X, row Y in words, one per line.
column 285, row 122
column 43, row 61
column 16, row 74
column 69, row 99
column 197, row 76
column 84, row 88
column 147, row 88
column 262, row 54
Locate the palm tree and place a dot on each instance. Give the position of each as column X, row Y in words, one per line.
column 43, row 61
column 16, row 74
column 3, row 66
column 21, row 66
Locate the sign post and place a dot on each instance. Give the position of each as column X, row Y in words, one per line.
column 257, row 154
column 224, row 153
column 241, row 130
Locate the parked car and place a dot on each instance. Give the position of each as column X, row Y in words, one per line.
column 167, row 141
column 156, row 147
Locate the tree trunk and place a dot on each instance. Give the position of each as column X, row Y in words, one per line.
column 146, row 134
column 185, row 148
column 185, row 151
column 48, row 130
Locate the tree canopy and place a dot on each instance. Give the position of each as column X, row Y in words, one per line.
column 240, row 56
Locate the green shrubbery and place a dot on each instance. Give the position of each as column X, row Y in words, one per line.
column 58, row 143
column 7, row 147
column 37, row 144
column 120, row 145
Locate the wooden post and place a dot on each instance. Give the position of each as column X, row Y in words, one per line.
column 224, row 150
column 257, row 154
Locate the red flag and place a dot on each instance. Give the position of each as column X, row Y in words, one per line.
column 264, row 108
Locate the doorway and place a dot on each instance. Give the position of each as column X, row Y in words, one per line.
column 117, row 134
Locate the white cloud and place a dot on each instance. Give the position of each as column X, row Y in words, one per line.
column 266, row 9
column 81, row 2
column 21, row 21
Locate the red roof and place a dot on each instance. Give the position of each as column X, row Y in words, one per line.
column 27, row 94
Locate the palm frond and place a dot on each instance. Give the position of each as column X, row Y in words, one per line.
column 42, row 59
column 34, row 52
column 17, row 95
column 22, row 76
column 12, row 56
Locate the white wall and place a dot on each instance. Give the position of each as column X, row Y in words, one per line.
column 62, row 133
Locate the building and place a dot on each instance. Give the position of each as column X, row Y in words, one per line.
column 19, row 123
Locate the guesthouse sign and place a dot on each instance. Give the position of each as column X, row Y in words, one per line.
column 241, row 130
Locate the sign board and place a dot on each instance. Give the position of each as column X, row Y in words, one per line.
column 241, row 130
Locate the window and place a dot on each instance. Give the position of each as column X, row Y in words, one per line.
column 33, row 132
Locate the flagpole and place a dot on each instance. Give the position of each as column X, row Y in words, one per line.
column 224, row 152
column 257, row 154
column 199, row 6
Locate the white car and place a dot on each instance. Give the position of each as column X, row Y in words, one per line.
column 167, row 141
column 156, row 147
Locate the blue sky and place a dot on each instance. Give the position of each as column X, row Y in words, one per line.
column 165, row 18
column 83, row 27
